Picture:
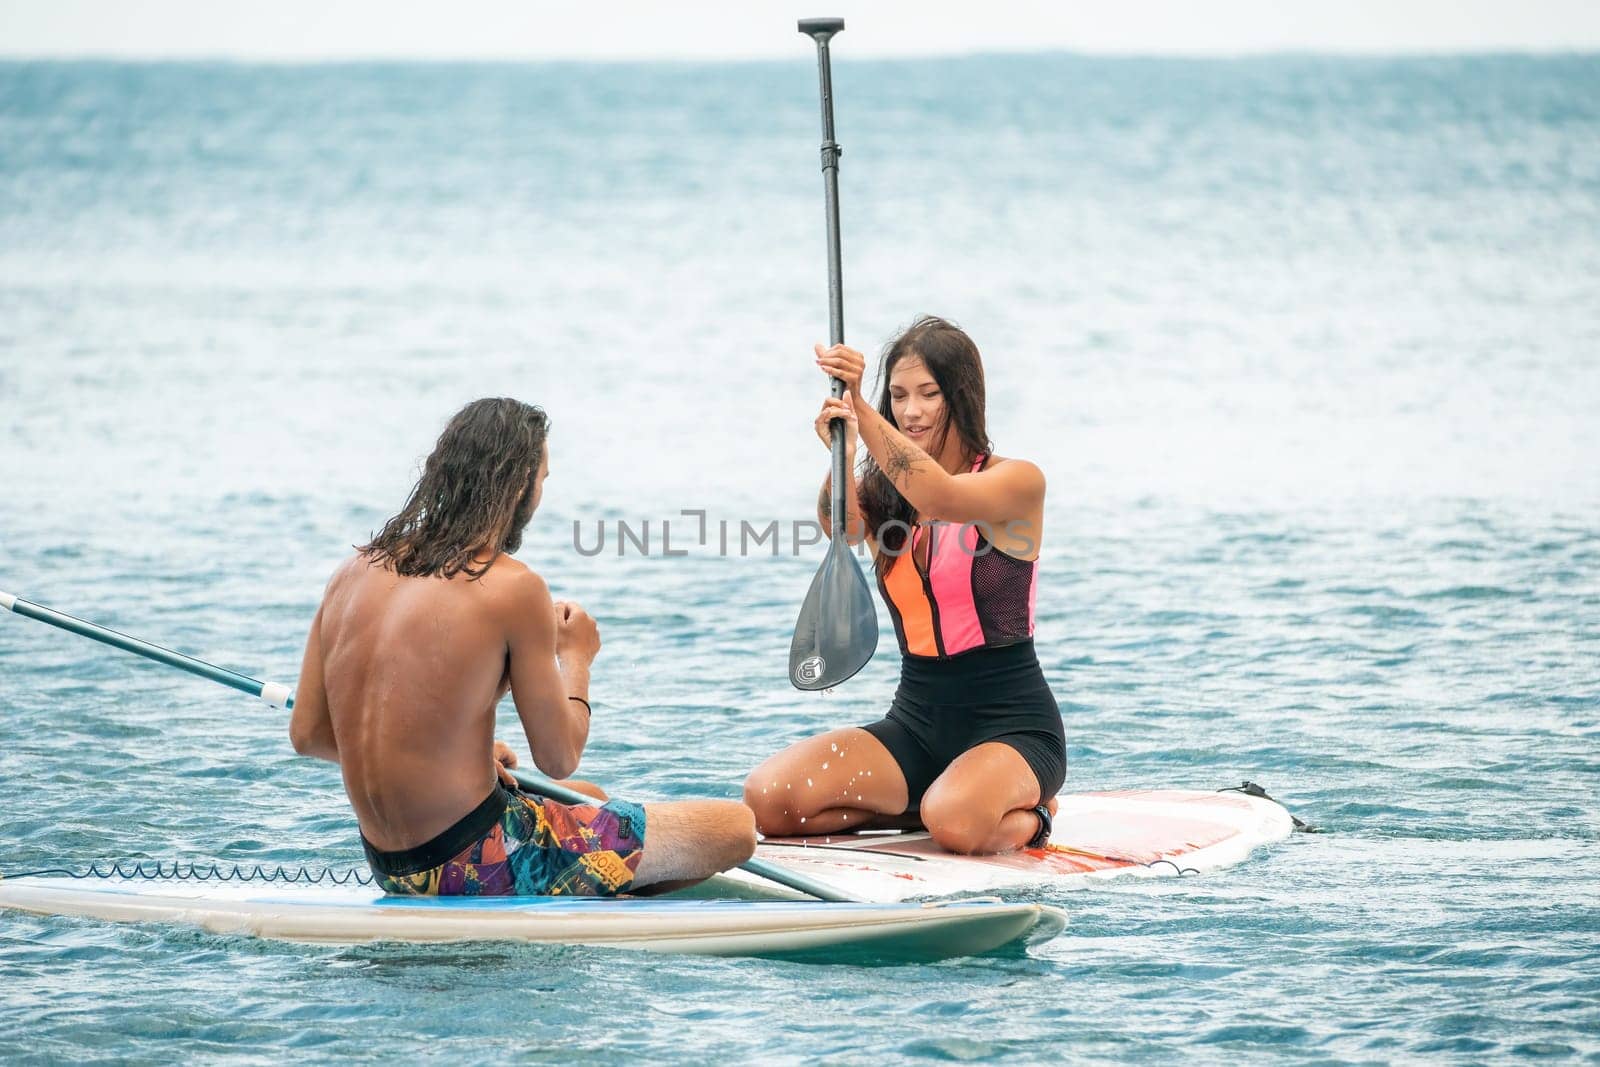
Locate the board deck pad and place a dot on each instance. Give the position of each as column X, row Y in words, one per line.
column 1096, row 836
column 354, row 914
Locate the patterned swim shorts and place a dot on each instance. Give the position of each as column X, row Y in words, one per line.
column 514, row 844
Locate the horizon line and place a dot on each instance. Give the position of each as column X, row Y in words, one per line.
column 686, row 59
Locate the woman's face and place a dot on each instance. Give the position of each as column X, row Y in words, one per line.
column 917, row 403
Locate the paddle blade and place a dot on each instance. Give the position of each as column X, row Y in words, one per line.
column 838, row 628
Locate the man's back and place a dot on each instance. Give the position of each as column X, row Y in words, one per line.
column 418, row 637
column 413, row 668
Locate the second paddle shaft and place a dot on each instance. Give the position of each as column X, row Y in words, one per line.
column 271, row 693
column 539, row 785
column 281, row 696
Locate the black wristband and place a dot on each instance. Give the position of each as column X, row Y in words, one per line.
column 1046, row 825
column 585, row 704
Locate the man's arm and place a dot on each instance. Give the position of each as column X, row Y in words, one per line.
column 310, row 725
column 557, row 728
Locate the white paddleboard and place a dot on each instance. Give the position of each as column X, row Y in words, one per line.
column 1097, row 836
column 350, row 914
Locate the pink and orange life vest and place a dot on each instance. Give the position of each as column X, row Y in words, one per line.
column 972, row 595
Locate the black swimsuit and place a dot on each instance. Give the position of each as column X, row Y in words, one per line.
column 963, row 614
column 946, row 706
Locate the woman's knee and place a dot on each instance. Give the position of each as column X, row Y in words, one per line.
column 956, row 824
column 769, row 811
column 964, row 836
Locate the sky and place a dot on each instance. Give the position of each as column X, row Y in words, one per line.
column 730, row 29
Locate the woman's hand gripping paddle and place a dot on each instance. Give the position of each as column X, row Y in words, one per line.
column 838, row 627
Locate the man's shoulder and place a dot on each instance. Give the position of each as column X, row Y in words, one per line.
column 358, row 561
column 516, row 596
column 513, row 578
column 507, row 578
column 348, row 569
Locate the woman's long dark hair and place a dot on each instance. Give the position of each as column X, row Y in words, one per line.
column 475, row 493
column 953, row 361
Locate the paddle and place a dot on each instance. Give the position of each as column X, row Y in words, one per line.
column 281, row 696
column 837, row 631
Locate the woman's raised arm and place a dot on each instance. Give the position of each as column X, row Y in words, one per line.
column 1010, row 492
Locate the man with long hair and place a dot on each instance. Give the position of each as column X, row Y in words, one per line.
column 419, row 635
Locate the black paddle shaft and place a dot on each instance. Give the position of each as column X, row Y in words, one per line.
column 822, row 31
column 837, row 631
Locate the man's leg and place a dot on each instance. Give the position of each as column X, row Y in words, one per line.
column 587, row 788
column 687, row 841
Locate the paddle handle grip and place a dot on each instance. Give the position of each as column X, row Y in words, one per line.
column 821, row 27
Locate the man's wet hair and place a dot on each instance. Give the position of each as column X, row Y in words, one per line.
column 475, row 495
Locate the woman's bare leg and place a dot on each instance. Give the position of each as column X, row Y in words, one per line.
column 825, row 784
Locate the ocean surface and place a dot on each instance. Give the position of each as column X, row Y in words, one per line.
column 1308, row 348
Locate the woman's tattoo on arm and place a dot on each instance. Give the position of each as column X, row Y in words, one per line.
column 901, row 459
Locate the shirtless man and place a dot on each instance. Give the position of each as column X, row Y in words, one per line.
column 419, row 636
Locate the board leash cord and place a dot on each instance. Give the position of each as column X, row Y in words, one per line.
column 1068, row 850
column 1250, row 789
column 215, row 872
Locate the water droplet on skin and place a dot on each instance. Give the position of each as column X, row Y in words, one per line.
column 802, row 820
column 824, row 766
column 834, row 746
column 808, row 781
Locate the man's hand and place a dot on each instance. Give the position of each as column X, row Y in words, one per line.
column 504, row 760
column 577, row 634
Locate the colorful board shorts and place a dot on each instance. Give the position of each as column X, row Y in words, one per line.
column 514, row 844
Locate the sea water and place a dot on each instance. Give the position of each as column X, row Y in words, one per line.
column 1308, row 349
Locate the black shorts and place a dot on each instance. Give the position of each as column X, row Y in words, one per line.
column 946, row 706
